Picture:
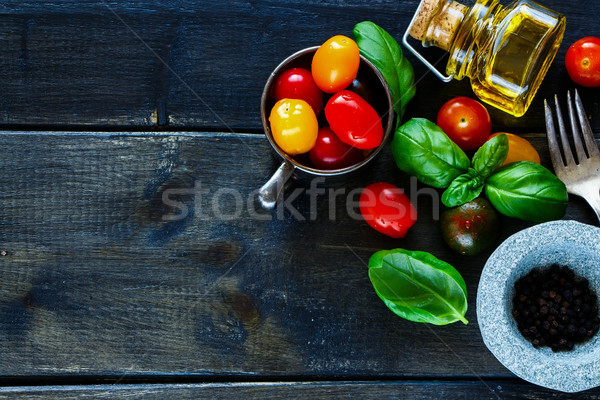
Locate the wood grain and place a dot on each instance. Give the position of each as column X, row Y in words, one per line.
column 100, row 278
column 483, row 390
column 202, row 65
column 96, row 281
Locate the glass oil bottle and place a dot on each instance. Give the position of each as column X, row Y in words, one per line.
column 505, row 51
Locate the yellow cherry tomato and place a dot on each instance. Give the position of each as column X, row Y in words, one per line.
column 335, row 64
column 519, row 149
column 294, row 126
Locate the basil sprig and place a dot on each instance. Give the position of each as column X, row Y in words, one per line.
column 463, row 189
column 467, row 187
column 490, row 156
column 523, row 190
column 422, row 149
column 385, row 53
column 528, row 191
column 418, row 286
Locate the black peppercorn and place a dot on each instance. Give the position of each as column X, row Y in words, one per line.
column 522, row 298
column 553, row 307
column 540, row 301
column 546, row 325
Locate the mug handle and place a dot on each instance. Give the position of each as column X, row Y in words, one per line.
column 271, row 191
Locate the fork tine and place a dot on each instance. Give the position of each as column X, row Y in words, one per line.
column 569, row 160
column 588, row 136
column 555, row 155
column 575, row 129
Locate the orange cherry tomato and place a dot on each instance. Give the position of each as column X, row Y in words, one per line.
column 294, row 126
column 519, row 149
column 335, row 64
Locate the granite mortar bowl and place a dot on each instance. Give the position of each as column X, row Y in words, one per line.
column 569, row 243
column 299, row 166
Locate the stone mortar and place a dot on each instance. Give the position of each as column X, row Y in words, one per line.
column 569, row 243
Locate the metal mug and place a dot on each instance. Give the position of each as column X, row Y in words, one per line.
column 272, row 190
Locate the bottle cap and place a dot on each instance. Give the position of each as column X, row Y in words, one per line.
column 437, row 22
column 423, row 16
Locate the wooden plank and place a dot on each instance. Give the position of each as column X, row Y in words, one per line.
column 491, row 390
column 202, row 64
column 95, row 280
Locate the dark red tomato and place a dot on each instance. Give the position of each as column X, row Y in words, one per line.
column 353, row 120
column 583, row 62
column 330, row 153
column 387, row 209
column 466, row 122
column 364, row 88
column 472, row 228
column 298, row 83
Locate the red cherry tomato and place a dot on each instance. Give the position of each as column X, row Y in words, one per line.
column 354, row 121
column 465, row 121
column 330, row 153
column 335, row 64
column 583, row 62
column 298, row 83
column 387, row 209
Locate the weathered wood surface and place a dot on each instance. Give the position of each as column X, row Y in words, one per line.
column 95, row 281
column 203, row 64
column 491, row 390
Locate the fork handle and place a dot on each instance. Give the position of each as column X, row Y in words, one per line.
column 593, row 198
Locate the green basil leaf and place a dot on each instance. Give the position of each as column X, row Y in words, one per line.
column 463, row 189
column 490, row 155
column 422, row 149
column 418, row 286
column 385, row 53
column 527, row 191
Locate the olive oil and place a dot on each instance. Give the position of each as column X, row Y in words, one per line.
column 505, row 51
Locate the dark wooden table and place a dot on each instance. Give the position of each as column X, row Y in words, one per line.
column 106, row 106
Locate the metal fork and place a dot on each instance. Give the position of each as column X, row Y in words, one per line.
column 581, row 176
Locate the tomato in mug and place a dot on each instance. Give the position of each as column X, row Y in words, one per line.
column 387, row 209
column 294, row 126
column 298, row 83
column 519, row 149
column 465, row 121
column 364, row 88
column 583, row 62
column 331, row 153
column 335, row 64
column 353, row 120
